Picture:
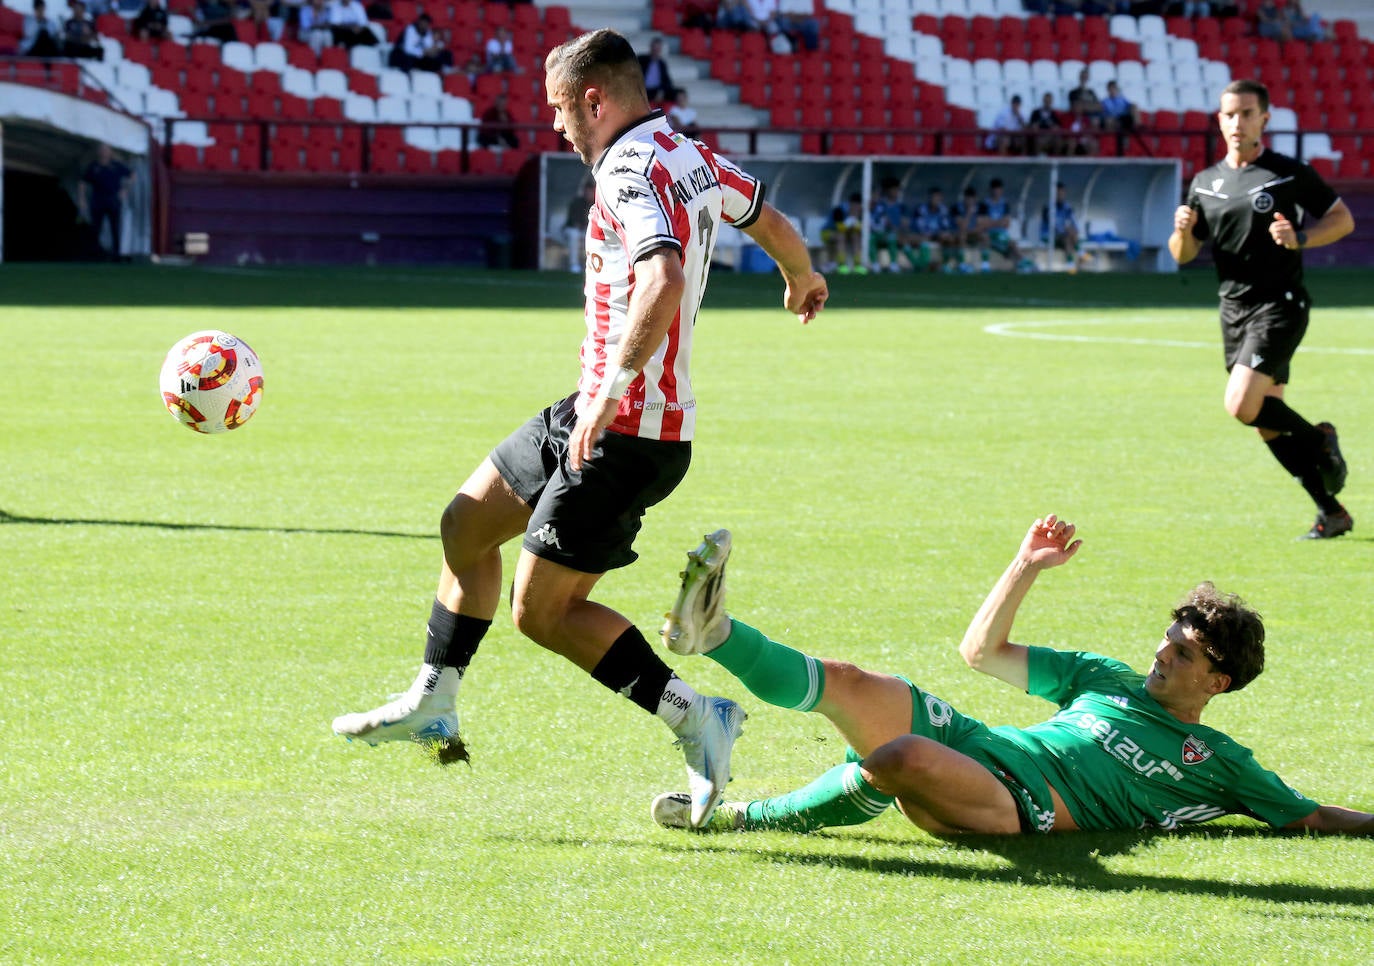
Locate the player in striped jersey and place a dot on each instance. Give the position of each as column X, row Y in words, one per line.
column 576, row 479
column 1124, row 751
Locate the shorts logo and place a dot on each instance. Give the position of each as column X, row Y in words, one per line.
column 1262, row 202
column 1195, row 751
column 939, row 713
column 1256, row 360
column 548, row 536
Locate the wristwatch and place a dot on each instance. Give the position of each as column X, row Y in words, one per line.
column 1302, row 239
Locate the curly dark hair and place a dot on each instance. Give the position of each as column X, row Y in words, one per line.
column 1230, row 632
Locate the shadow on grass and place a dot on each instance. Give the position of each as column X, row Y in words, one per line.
column 1072, row 861
column 7, row 517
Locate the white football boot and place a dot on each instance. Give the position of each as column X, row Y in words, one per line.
column 407, row 717
column 698, row 622
column 674, row 810
column 707, row 750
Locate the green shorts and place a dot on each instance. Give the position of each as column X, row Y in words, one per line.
column 999, row 240
column 938, row 720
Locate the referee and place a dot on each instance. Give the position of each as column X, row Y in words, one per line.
column 1250, row 205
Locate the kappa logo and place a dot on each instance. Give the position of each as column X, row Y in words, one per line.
column 548, row 536
column 1217, row 183
column 1195, row 750
column 1262, row 202
column 1256, row 360
column 628, row 194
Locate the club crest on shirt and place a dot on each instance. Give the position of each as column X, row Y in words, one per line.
column 1195, row 750
column 1262, row 202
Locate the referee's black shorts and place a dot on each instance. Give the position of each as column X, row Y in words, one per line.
column 586, row 520
column 1264, row 335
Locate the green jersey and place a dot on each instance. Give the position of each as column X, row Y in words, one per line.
column 1120, row 761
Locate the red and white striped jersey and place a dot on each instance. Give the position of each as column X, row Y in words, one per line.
column 655, row 189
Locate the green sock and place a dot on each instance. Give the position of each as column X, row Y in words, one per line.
column 839, row 797
column 774, row 672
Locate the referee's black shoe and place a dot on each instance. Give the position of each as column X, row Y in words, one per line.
column 1330, row 525
column 1333, row 467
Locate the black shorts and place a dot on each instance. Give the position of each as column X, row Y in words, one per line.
column 586, row 520
column 1264, row 335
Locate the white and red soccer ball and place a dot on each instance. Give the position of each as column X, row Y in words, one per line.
column 211, row 382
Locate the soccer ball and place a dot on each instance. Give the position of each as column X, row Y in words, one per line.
column 211, row 382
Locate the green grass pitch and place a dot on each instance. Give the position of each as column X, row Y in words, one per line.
column 182, row 616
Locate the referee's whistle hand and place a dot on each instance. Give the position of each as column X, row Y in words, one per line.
column 1184, row 219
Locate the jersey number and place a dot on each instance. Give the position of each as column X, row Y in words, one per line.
column 706, row 230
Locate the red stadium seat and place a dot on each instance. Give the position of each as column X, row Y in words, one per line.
column 185, row 157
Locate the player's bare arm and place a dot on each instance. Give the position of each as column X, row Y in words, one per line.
column 1183, row 244
column 986, row 646
column 1334, row 818
column 1329, row 228
column 806, row 290
column 659, row 283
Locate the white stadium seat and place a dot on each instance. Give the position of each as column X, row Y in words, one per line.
column 160, row 103
column 455, row 110
column 270, row 56
column 192, row 132
column 394, row 83
column 1151, row 25
column 366, row 59
column 425, row 110
column 358, row 108
column 331, row 83
column 424, row 138
column 133, row 74
column 392, row 110
column 426, row 83
column 239, row 56
column 1123, row 26
column 298, row 81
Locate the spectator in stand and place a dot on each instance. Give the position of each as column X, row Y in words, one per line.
column 498, row 126
column 1084, row 99
column 474, row 68
column 1302, row 26
column 682, row 116
column 697, row 14
column 575, row 227
column 151, row 22
column 1062, row 227
column 1271, row 22
column 842, row 235
column 1066, row 8
column 214, row 19
column 1118, row 114
column 1105, row 8
column 994, row 220
column 420, row 49
column 312, row 25
column 657, row 81
column 42, row 34
column 79, row 36
column 1010, row 119
column 1083, row 130
column 1188, row 8
column 794, row 21
column 735, row 15
column 101, row 193
column 266, row 15
column 349, row 26
column 1046, row 120
column 501, row 52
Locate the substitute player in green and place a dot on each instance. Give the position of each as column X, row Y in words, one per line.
column 1124, row 750
column 1251, row 204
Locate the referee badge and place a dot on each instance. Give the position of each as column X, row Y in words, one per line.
column 1262, row 202
column 1195, row 751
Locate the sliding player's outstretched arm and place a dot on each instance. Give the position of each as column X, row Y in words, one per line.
column 1334, row 818
column 986, row 645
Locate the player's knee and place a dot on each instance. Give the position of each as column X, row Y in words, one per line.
column 899, row 764
column 1241, row 408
